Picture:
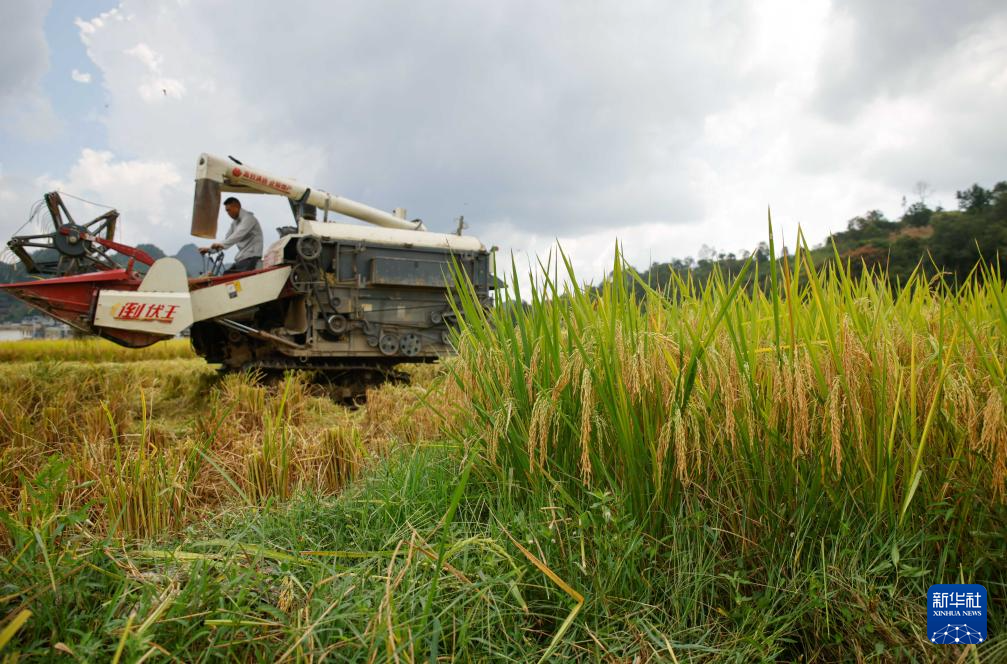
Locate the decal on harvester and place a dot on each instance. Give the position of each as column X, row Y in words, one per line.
column 233, row 289
column 265, row 181
column 145, row 311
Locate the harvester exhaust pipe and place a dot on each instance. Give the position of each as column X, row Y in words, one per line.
column 216, row 174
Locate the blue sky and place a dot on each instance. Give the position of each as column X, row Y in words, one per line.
column 666, row 126
column 78, row 106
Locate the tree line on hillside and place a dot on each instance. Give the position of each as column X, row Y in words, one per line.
column 944, row 244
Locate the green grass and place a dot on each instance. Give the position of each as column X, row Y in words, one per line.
column 350, row 577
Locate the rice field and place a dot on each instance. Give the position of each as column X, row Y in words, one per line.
column 824, row 389
column 91, row 349
column 151, row 440
column 714, row 472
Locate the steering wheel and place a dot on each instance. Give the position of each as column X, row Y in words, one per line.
column 213, row 263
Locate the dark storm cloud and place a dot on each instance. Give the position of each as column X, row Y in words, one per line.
column 908, row 92
column 560, row 115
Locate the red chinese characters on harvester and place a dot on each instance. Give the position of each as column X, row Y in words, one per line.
column 162, row 313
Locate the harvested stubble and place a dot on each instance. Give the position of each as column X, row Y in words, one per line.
column 91, row 349
column 151, row 445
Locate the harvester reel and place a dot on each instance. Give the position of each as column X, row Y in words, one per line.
column 72, row 244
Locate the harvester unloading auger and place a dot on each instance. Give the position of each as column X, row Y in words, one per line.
column 347, row 300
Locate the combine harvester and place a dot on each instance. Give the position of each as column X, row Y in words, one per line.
column 346, row 300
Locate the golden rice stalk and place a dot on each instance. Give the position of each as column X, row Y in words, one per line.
column 343, row 455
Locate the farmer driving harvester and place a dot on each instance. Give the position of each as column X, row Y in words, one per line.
column 244, row 232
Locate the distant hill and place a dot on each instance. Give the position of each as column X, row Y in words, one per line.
column 947, row 242
column 940, row 242
column 189, row 256
column 191, row 259
column 11, row 310
column 152, row 250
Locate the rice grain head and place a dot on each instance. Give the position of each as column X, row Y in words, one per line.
column 834, row 418
column 586, row 415
column 993, row 439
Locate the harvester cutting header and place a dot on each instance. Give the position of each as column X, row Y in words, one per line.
column 345, row 299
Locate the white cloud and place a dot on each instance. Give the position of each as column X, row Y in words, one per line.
column 16, row 199
column 147, row 56
column 155, row 88
column 154, row 85
column 7, row 195
column 80, row 76
column 145, row 192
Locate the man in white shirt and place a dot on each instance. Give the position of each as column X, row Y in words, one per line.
column 244, row 232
